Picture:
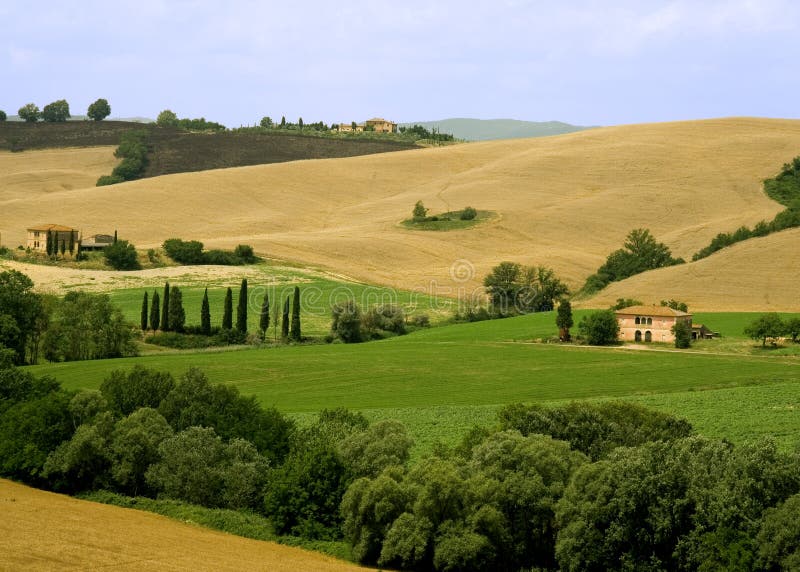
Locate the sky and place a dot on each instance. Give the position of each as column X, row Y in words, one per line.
column 583, row 62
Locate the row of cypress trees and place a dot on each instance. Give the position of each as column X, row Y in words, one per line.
column 54, row 245
column 169, row 316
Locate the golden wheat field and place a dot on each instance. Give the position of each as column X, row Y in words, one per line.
column 46, row 531
column 564, row 202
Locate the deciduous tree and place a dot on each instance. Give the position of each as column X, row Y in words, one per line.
column 29, row 113
column 56, row 112
column 99, row 110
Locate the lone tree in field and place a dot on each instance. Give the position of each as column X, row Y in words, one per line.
column 420, row 212
column 564, row 320
column 766, row 326
column 241, row 309
column 144, row 313
column 56, row 112
column 167, row 118
column 263, row 322
column 29, row 113
column 295, row 333
column 165, row 309
column 683, row 335
column 285, row 321
column 227, row 311
column 177, row 316
column 155, row 312
column 99, row 110
column 205, row 315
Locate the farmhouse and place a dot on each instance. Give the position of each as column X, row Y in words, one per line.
column 649, row 323
column 381, row 125
column 37, row 235
column 377, row 124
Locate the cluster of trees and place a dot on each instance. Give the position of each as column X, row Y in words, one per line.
column 783, row 188
column 420, row 214
column 54, row 244
column 351, row 325
column 58, row 111
column 191, row 252
column 133, row 149
column 166, row 314
column 79, row 326
column 420, row 132
column 640, row 252
column 516, row 289
column 267, row 123
column 770, row 327
column 168, row 118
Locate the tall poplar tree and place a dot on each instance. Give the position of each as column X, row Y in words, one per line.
column 165, row 309
column 144, row 313
column 241, row 309
column 227, row 311
column 263, row 323
column 155, row 312
column 177, row 316
column 285, row 321
column 205, row 315
column 295, row 333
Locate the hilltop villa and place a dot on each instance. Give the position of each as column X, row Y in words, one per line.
column 37, row 235
column 377, row 124
column 649, row 323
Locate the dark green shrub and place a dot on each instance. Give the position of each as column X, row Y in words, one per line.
column 121, row 256
column 468, row 213
column 109, row 180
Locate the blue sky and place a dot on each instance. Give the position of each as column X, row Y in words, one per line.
column 584, row 62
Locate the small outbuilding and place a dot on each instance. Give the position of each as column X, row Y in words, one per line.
column 96, row 242
column 649, row 323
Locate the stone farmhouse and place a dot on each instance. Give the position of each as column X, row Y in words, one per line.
column 37, row 235
column 649, row 323
column 377, row 124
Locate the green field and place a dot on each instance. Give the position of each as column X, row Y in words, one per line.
column 442, row 380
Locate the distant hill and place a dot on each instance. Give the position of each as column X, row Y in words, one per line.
column 486, row 129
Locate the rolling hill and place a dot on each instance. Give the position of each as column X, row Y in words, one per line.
column 488, row 129
column 565, row 202
column 46, row 531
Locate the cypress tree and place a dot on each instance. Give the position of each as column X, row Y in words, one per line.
column 49, row 246
column 275, row 320
column 144, row 313
column 227, row 311
column 205, row 315
column 285, row 321
column 63, row 247
column 263, row 324
column 115, row 236
column 296, row 315
column 177, row 317
column 241, row 309
column 165, row 309
column 72, row 243
column 155, row 312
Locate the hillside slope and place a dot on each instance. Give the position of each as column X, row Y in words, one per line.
column 46, row 531
column 755, row 275
column 564, row 201
column 174, row 150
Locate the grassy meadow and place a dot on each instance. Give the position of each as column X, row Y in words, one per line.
column 442, row 380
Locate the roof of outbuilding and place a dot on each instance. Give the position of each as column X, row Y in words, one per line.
column 660, row 311
column 56, row 227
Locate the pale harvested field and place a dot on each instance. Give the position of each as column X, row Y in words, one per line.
column 563, row 201
column 756, row 275
column 46, row 531
column 36, row 173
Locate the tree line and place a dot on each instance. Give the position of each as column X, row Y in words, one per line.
column 58, row 111
column 166, row 314
column 580, row 487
